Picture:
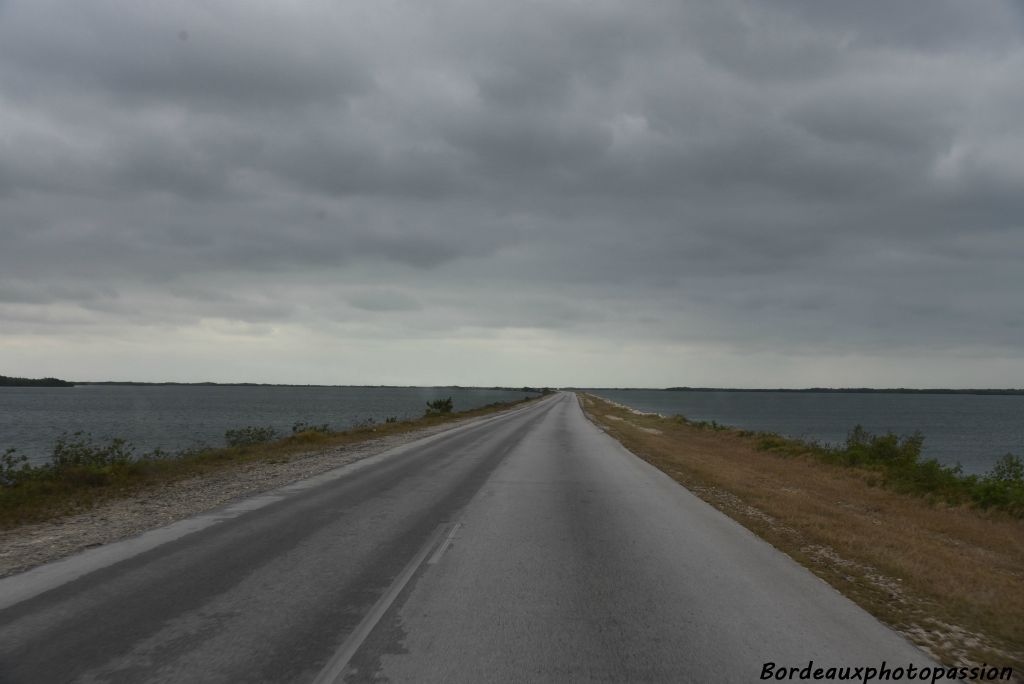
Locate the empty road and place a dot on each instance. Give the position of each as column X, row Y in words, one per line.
column 526, row 547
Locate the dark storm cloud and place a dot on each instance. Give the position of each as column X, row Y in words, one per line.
column 232, row 55
column 785, row 176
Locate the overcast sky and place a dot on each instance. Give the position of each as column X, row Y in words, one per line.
column 721, row 192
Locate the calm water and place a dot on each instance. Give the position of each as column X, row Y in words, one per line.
column 970, row 429
column 32, row 418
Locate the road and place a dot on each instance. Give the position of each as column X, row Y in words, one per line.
column 527, row 547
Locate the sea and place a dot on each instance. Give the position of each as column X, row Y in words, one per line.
column 176, row 417
column 966, row 429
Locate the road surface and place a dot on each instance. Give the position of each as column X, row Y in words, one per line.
column 526, row 547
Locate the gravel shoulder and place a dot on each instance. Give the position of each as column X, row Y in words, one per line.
column 25, row 547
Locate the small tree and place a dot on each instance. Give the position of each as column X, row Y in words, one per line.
column 439, row 406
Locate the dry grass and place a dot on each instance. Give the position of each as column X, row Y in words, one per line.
column 950, row 579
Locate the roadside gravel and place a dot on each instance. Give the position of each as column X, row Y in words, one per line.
column 25, row 547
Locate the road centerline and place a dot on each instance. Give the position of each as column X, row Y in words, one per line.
column 335, row 669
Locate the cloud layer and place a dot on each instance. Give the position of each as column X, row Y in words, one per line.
column 555, row 192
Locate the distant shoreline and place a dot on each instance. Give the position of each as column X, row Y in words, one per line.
column 824, row 390
column 6, row 381
column 54, row 382
column 537, row 390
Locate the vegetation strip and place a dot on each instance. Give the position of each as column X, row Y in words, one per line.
column 937, row 567
column 83, row 473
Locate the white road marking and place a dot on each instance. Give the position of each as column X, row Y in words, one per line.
column 445, row 544
column 334, row 671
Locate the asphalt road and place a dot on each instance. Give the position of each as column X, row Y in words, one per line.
column 524, row 547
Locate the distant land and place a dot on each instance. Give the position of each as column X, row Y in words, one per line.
column 811, row 390
column 132, row 383
column 33, row 382
column 852, row 390
column 6, row 381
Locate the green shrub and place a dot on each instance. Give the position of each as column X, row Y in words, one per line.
column 78, row 451
column 888, row 450
column 249, row 435
column 1003, row 488
column 703, row 424
column 439, row 406
column 1009, row 469
column 770, row 441
column 13, row 468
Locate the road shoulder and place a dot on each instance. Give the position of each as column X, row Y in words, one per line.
column 946, row 578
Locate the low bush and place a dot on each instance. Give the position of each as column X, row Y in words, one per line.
column 712, row 425
column 1009, row 469
column 1003, row 487
column 769, row 441
column 302, row 426
column 701, row 424
column 439, row 406
column 890, row 450
column 79, row 450
column 249, row 435
column 13, row 467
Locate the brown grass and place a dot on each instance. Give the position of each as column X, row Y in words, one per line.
column 950, row 579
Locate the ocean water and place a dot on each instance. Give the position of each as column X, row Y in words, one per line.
column 178, row 417
column 972, row 430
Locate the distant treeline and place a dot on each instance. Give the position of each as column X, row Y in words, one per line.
column 130, row 383
column 271, row 384
column 851, row 390
column 33, row 382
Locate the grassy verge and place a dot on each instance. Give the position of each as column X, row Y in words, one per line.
column 83, row 473
column 945, row 572
column 897, row 463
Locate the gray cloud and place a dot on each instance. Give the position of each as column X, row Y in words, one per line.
column 384, row 300
column 801, row 178
column 231, row 55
